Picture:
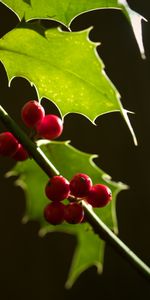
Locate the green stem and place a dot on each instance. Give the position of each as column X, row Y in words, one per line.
column 98, row 226
column 106, row 234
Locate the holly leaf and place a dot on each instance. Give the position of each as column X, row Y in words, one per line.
column 68, row 161
column 64, row 67
column 65, row 11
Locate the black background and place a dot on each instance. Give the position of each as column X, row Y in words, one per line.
column 35, row 268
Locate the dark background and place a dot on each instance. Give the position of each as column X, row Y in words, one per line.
column 35, row 268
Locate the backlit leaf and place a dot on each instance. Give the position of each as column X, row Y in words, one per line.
column 64, row 67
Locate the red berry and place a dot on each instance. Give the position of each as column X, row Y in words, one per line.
column 99, row 195
column 50, row 127
column 21, row 154
column 32, row 113
column 74, row 213
column 57, row 188
column 54, row 213
column 80, row 185
column 8, row 144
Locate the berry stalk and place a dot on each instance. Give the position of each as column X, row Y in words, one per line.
column 98, row 226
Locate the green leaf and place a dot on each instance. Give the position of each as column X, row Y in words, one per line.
column 68, row 161
column 65, row 67
column 65, row 11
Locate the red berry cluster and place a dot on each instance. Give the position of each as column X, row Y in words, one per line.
column 47, row 126
column 80, row 187
column 58, row 188
column 33, row 115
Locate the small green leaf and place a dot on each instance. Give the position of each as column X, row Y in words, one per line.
column 65, row 11
column 65, row 67
column 68, row 161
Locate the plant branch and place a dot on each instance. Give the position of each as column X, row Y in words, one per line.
column 106, row 234
column 98, row 226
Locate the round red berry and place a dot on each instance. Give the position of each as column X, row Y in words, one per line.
column 99, row 195
column 32, row 113
column 21, row 154
column 54, row 213
column 8, row 144
column 57, row 188
column 80, row 185
column 74, row 213
column 50, row 127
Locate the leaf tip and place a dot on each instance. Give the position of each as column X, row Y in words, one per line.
column 10, row 80
column 135, row 20
column 25, row 219
column 68, row 285
column 99, row 268
column 10, row 174
column 126, row 118
column 43, row 231
column 143, row 55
